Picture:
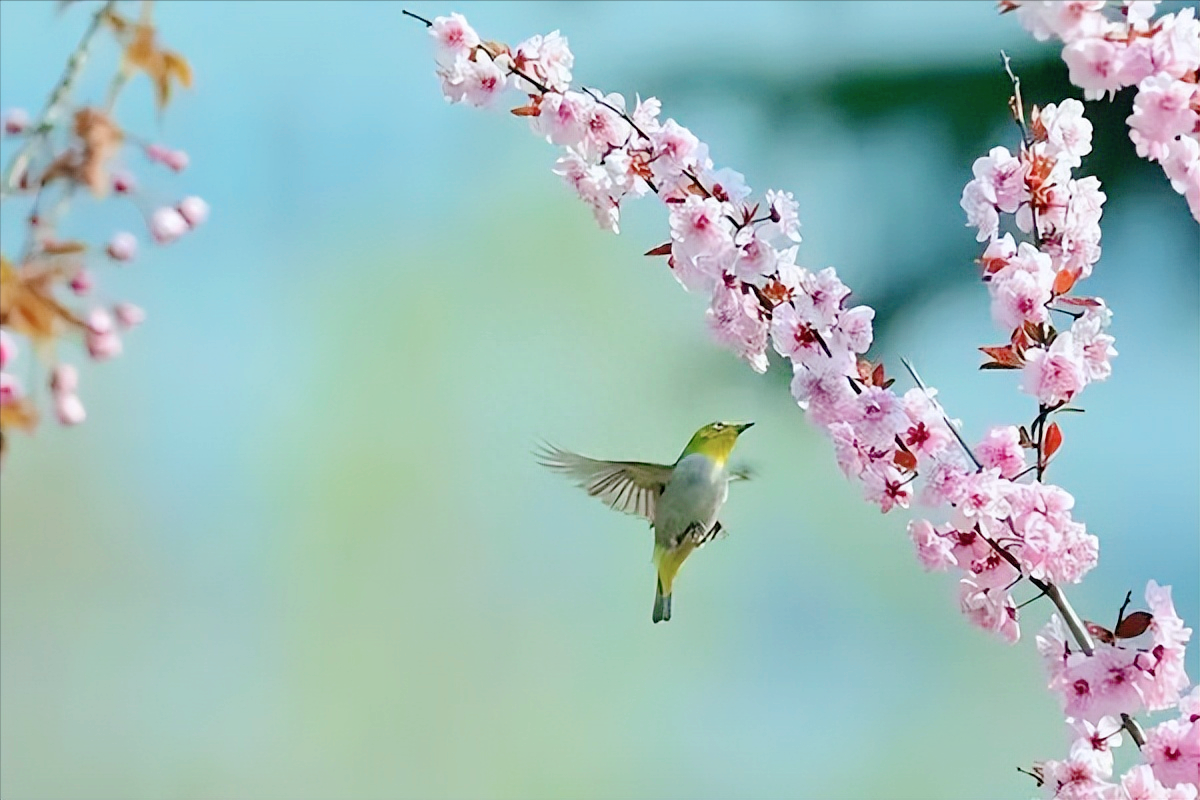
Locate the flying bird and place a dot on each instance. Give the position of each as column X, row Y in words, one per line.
column 681, row 500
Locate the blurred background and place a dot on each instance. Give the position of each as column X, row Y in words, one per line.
column 300, row 548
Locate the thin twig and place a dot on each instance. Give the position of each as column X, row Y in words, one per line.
column 55, row 104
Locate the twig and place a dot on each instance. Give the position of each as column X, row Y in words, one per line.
column 56, row 103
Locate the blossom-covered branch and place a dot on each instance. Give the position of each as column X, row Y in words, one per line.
column 73, row 146
column 1002, row 523
column 1108, row 48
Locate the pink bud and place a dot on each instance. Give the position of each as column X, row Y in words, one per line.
column 167, row 225
column 10, row 389
column 99, row 322
column 8, row 348
column 156, row 152
column 122, row 246
column 64, row 379
column 81, row 283
column 69, row 409
column 193, row 209
column 128, row 315
column 124, row 182
column 16, row 120
column 177, row 160
column 103, row 346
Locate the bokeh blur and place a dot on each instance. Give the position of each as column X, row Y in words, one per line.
column 300, row 548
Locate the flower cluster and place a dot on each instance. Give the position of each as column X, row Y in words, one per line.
column 1106, row 53
column 742, row 253
column 50, row 292
column 1120, row 678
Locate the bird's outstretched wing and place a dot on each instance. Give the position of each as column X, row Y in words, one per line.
column 741, row 472
column 632, row 487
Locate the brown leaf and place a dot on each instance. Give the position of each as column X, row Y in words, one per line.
column 163, row 67
column 1054, row 439
column 661, row 250
column 1026, row 439
column 20, row 414
column 1064, row 280
column 1134, row 625
column 1003, row 357
column 63, row 248
column 877, row 376
column 905, row 460
column 527, row 111
column 27, row 304
column 1100, row 632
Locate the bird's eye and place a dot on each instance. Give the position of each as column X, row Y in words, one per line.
column 718, row 426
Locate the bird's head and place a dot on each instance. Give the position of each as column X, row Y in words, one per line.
column 716, row 440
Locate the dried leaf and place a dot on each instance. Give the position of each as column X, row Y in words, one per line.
column 1026, row 439
column 1054, row 439
column 28, row 306
column 1090, row 302
column 19, row 413
column 1134, row 625
column 63, row 248
column 163, row 67
column 1100, row 632
column 877, row 376
column 527, row 111
column 1064, row 280
column 905, row 460
column 1003, row 357
column 661, row 250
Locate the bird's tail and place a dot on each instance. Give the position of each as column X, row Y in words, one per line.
column 668, row 562
column 662, row 604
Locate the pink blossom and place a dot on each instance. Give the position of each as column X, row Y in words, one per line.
column 175, row 160
column 1094, row 65
column 193, row 210
column 736, row 321
column 565, row 118
column 1098, row 350
column 1001, row 448
column 793, row 336
column 880, row 417
column 128, row 315
column 698, row 226
column 785, row 217
column 124, row 182
column 998, row 253
column 1067, row 131
column 81, row 281
column 853, row 330
column 1173, row 752
column 886, row 487
column 483, row 81
column 64, row 379
column 103, row 346
column 990, row 609
column 981, row 210
column 984, row 494
column 824, row 392
column 755, row 257
column 675, row 150
column 1056, row 374
column 548, row 58
column 1161, row 112
column 945, row 483
column 1002, row 177
column 10, row 389
column 8, row 348
column 1019, row 296
column 850, row 453
column 1063, row 20
column 16, row 120
column 935, row 549
column 69, row 409
column 1176, row 46
column 167, row 225
column 453, row 37
column 1139, row 783
column 820, row 297
column 122, row 246
column 1182, row 167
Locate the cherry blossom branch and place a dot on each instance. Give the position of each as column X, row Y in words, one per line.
column 70, row 148
column 56, row 103
column 999, row 530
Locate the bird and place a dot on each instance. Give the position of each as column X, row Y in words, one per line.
column 681, row 501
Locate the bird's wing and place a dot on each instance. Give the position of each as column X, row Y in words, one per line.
column 741, row 472
column 629, row 486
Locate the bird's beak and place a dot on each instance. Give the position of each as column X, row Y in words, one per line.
column 742, row 428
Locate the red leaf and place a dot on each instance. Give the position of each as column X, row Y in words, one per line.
column 527, row 111
column 1005, row 357
column 1101, row 633
column 1091, row 302
column 1064, row 280
column 877, row 377
column 1054, row 439
column 661, row 250
column 1134, row 625
column 905, row 460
